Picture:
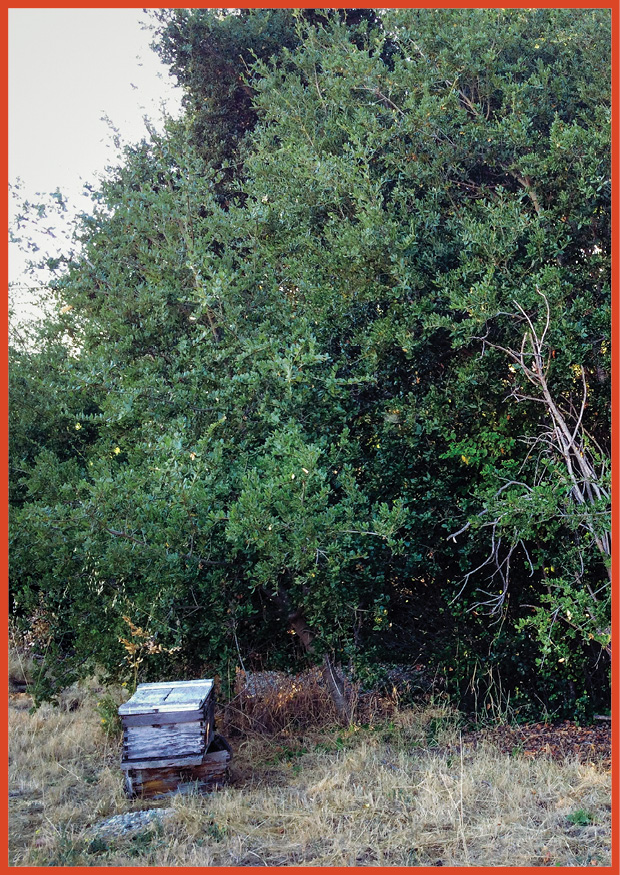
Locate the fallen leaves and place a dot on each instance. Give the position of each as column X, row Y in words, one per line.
column 558, row 741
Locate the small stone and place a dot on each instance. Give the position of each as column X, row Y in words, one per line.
column 134, row 821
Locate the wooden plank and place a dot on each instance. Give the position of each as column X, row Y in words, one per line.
column 169, row 684
column 142, row 708
column 166, row 733
column 159, row 718
column 161, row 782
column 163, row 742
column 211, row 760
column 210, row 709
column 179, row 762
column 180, row 695
column 207, row 760
column 143, row 755
column 150, row 742
column 170, row 756
column 185, row 695
column 219, row 744
column 148, row 694
column 213, row 765
column 143, row 700
column 153, row 789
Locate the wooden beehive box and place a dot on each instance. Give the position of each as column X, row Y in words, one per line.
column 169, row 743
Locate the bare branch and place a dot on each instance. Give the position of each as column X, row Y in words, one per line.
column 583, row 403
column 526, row 182
column 565, row 439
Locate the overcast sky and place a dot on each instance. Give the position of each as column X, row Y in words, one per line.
column 67, row 69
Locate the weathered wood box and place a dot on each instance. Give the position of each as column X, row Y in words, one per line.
column 169, row 743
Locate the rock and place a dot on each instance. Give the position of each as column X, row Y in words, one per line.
column 125, row 824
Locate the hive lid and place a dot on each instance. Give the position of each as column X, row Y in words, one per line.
column 168, row 696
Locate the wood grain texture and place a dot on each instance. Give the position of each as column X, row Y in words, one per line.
column 200, row 682
column 169, row 740
column 159, row 781
column 187, row 695
column 161, row 718
column 145, row 699
column 157, row 708
column 168, row 762
column 167, row 697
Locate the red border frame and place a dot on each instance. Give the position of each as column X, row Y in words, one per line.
column 614, row 6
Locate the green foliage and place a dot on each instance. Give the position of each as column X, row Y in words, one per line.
column 289, row 370
column 581, row 817
column 107, row 708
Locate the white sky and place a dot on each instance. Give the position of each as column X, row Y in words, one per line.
column 67, row 68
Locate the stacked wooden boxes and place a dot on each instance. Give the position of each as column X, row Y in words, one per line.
column 169, row 743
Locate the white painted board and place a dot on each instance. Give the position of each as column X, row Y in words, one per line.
column 169, row 696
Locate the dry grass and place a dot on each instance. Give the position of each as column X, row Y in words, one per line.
column 22, row 668
column 407, row 793
column 276, row 703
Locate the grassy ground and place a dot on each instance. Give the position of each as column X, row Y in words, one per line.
column 404, row 793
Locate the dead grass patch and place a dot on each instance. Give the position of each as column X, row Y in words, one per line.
column 407, row 792
column 271, row 703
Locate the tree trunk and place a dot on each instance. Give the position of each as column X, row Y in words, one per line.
column 330, row 672
column 335, row 684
